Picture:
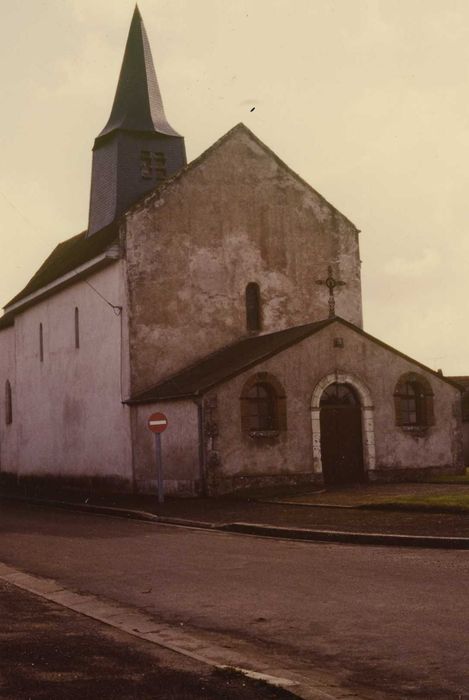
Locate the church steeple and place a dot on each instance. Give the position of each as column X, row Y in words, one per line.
column 137, row 148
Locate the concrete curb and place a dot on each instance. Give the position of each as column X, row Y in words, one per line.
column 261, row 529
column 139, row 624
column 396, row 507
column 373, row 538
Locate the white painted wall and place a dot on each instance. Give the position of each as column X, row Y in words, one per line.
column 8, row 433
column 68, row 416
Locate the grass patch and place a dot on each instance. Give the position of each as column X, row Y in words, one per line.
column 450, row 502
column 449, row 479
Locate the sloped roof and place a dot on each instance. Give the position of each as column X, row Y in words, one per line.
column 67, row 256
column 7, row 320
column 138, row 105
column 463, row 381
column 224, row 364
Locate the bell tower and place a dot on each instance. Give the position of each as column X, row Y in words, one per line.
column 137, row 149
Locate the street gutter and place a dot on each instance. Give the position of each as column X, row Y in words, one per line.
column 261, row 529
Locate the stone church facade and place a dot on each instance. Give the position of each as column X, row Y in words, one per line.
column 225, row 293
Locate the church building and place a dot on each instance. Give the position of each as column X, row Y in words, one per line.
column 226, row 294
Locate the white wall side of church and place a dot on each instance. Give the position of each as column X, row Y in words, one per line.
column 300, row 369
column 237, row 217
column 69, row 417
column 8, row 433
column 179, row 447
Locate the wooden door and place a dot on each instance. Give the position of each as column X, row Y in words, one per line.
column 341, row 436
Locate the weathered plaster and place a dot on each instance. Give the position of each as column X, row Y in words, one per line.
column 238, row 216
column 179, row 447
column 68, row 417
column 305, row 370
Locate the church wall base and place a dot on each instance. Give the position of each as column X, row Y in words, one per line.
column 251, row 483
column 56, row 487
column 180, row 488
column 386, row 475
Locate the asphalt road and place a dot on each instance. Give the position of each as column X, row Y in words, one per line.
column 386, row 619
column 50, row 653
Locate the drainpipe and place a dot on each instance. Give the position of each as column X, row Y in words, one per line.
column 202, row 452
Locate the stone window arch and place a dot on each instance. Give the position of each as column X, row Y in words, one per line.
column 263, row 405
column 413, row 401
column 8, row 403
column 253, row 307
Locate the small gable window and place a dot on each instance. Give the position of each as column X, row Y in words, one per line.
column 159, row 163
column 145, row 165
column 8, row 404
column 253, row 307
column 413, row 400
column 263, row 405
column 152, row 165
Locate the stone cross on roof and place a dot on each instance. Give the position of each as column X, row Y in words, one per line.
column 331, row 283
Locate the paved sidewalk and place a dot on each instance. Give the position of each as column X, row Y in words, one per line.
column 48, row 652
column 313, row 512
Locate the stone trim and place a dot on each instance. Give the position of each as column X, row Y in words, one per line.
column 369, row 454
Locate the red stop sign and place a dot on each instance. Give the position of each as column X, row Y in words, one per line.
column 157, row 422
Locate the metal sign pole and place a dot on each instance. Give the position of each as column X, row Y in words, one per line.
column 159, row 468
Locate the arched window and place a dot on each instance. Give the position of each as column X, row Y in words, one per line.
column 77, row 327
column 413, row 400
column 8, row 404
column 253, row 307
column 263, row 405
column 339, row 395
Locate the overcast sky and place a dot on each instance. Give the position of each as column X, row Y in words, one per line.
column 368, row 100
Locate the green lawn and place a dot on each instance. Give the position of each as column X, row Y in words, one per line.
column 444, row 502
column 459, row 479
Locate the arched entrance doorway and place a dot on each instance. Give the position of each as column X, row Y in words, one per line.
column 341, row 435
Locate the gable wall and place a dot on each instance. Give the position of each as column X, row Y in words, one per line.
column 68, row 417
column 236, row 217
column 300, row 369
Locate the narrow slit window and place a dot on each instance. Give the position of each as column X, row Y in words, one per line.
column 253, row 307
column 41, row 343
column 77, row 327
column 8, row 404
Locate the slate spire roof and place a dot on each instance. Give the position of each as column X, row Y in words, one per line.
column 138, row 105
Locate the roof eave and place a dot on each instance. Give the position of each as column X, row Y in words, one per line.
column 96, row 263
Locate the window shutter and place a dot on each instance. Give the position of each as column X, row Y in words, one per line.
column 397, row 409
column 282, row 412
column 429, row 412
column 244, row 407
